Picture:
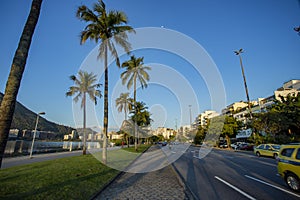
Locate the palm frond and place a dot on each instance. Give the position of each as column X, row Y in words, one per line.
column 85, row 14
column 114, row 52
column 130, row 82
column 76, row 98
column 102, row 49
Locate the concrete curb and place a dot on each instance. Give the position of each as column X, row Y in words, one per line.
column 116, row 177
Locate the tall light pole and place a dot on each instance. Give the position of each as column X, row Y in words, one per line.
column 238, row 53
column 34, row 134
column 190, row 116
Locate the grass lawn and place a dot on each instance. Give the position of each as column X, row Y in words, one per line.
column 77, row 177
column 119, row 159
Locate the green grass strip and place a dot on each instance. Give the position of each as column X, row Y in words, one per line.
column 77, row 177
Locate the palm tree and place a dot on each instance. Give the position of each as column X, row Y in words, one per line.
column 108, row 27
column 15, row 76
column 124, row 103
column 85, row 85
column 141, row 117
column 135, row 69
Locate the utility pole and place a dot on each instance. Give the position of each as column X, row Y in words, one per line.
column 190, row 116
column 238, row 53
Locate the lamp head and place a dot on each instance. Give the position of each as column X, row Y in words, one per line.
column 238, row 52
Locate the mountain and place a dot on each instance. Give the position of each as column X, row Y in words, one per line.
column 25, row 119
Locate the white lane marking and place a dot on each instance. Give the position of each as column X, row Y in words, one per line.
column 274, row 186
column 235, row 188
column 265, row 163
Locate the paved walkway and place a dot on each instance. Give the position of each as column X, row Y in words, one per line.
column 159, row 184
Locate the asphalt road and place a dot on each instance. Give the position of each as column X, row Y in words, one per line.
column 224, row 174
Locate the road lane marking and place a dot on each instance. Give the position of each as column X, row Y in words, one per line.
column 265, row 163
column 235, row 188
column 274, row 186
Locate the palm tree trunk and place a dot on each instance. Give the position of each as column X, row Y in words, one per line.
column 128, row 140
column 125, row 110
column 84, row 124
column 105, row 118
column 135, row 123
column 15, row 76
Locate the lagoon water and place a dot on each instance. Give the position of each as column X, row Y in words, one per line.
column 22, row 147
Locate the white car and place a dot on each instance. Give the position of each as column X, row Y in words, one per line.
column 236, row 145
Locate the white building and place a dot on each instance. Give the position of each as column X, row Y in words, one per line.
column 114, row 136
column 291, row 87
column 284, row 92
column 234, row 107
column 203, row 118
column 166, row 132
column 71, row 136
column 292, row 84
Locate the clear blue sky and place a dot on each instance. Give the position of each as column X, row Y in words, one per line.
column 263, row 28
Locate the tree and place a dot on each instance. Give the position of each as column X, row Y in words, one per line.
column 85, row 85
column 230, row 128
column 200, row 135
column 281, row 124
column 123, row 103
column 140, row 114
column 135, row 69
column 15, row 76
column 110, row 28
column 289, row 107
column 141, row 118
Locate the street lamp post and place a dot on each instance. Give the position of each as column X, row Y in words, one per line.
column 238, row 53
column 34, row 134
column 190, row 116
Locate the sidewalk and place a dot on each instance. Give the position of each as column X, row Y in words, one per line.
column 160, row 184
column 23, row 160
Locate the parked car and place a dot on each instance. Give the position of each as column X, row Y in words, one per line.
column 246, row 146
column 223, row 144
column 164, row 144
column 270, row 150
column 236, row 145
column 289, row 165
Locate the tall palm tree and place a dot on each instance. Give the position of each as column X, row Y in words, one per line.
column 108, row 27
column 123, row 102
column 15, row 76
column 85, row 85
column 135, row 70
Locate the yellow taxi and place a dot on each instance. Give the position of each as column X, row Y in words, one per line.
column 289, row 165
column 267, row 150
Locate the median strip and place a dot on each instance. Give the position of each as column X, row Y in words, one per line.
column 235, row 188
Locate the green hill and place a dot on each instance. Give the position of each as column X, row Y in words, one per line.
column 25, row 119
